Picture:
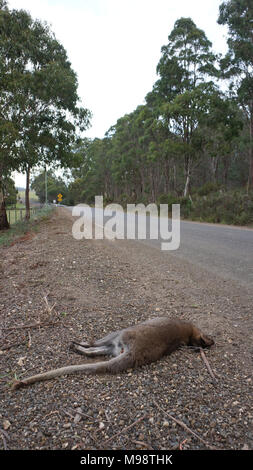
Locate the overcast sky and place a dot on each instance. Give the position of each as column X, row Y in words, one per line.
column 114, row 46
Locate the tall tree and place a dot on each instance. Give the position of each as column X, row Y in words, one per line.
column 186, row 64
column 238, row 63
column 40, row 112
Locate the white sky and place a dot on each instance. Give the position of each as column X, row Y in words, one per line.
column 114, row 46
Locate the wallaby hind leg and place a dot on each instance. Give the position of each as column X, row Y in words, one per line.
column 91, row 351
column 105, row 341
column 108, row 339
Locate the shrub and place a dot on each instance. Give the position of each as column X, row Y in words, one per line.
column 208, row 188
column 232, row 207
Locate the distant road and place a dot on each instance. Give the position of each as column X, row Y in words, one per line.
column 224, row 250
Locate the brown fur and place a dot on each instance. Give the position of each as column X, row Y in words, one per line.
column 132, row 347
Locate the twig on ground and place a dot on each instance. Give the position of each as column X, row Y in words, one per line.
column 183, row 425
column 143, row 444
column 4, row 436
column 49, row 309
column 203, row 356
column 29, row 340
column 125, row 429
column 32, row 325
column 12, row 345
column 181, row 444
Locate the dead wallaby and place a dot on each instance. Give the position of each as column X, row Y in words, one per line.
column 131, row 347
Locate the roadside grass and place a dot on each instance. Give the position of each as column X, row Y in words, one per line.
column 17, row 213
column 22, row 227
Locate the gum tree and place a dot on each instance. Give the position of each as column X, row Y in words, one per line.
column 183, row 89
column 40, row 113
column 237, row 65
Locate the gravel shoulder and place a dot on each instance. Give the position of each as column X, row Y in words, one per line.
column 54, row 289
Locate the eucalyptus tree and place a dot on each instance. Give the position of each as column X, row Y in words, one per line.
column 237, row 65
column 186, row 70
column 40, row 111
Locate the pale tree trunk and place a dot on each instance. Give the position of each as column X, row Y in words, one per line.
column 27, row 189
column 214, row 161
column 188, row 175
column 187, row 185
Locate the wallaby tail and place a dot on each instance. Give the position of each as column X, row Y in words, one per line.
column 114, row 365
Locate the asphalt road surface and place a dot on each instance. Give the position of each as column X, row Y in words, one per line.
column 224, row 250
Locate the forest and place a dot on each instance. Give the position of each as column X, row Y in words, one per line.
column 191, row 140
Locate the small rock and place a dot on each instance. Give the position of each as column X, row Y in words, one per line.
column 78, row 415
column 245, row 447
column 67, row 425
column 6, row 424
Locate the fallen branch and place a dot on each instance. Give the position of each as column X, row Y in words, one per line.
column 125, row 429
column 183, row 425
column 203, row 356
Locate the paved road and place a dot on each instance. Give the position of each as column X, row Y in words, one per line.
column 224, row 250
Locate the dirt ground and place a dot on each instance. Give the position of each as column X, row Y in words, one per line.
column 55, row 289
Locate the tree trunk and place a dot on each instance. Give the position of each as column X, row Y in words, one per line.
column 226, row 163
column 188, row 176
column 174, row 186
column 4, row 224
column 166, row 177
column 187, row 185
column 251, row 151
column 27, row 189
column 214, row 161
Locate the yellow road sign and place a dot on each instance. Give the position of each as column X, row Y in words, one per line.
column 59, row 197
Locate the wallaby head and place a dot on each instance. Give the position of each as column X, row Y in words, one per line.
column 200, row 339
column 131, row 347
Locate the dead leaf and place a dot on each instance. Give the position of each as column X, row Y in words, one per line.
column 21, row 361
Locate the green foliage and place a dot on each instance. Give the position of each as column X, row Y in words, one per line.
column 208, row 188
column 55, row 186
column 10, row 192
column 189, row 138
column 237, row 65
column 40, row 114
column 232, row 207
